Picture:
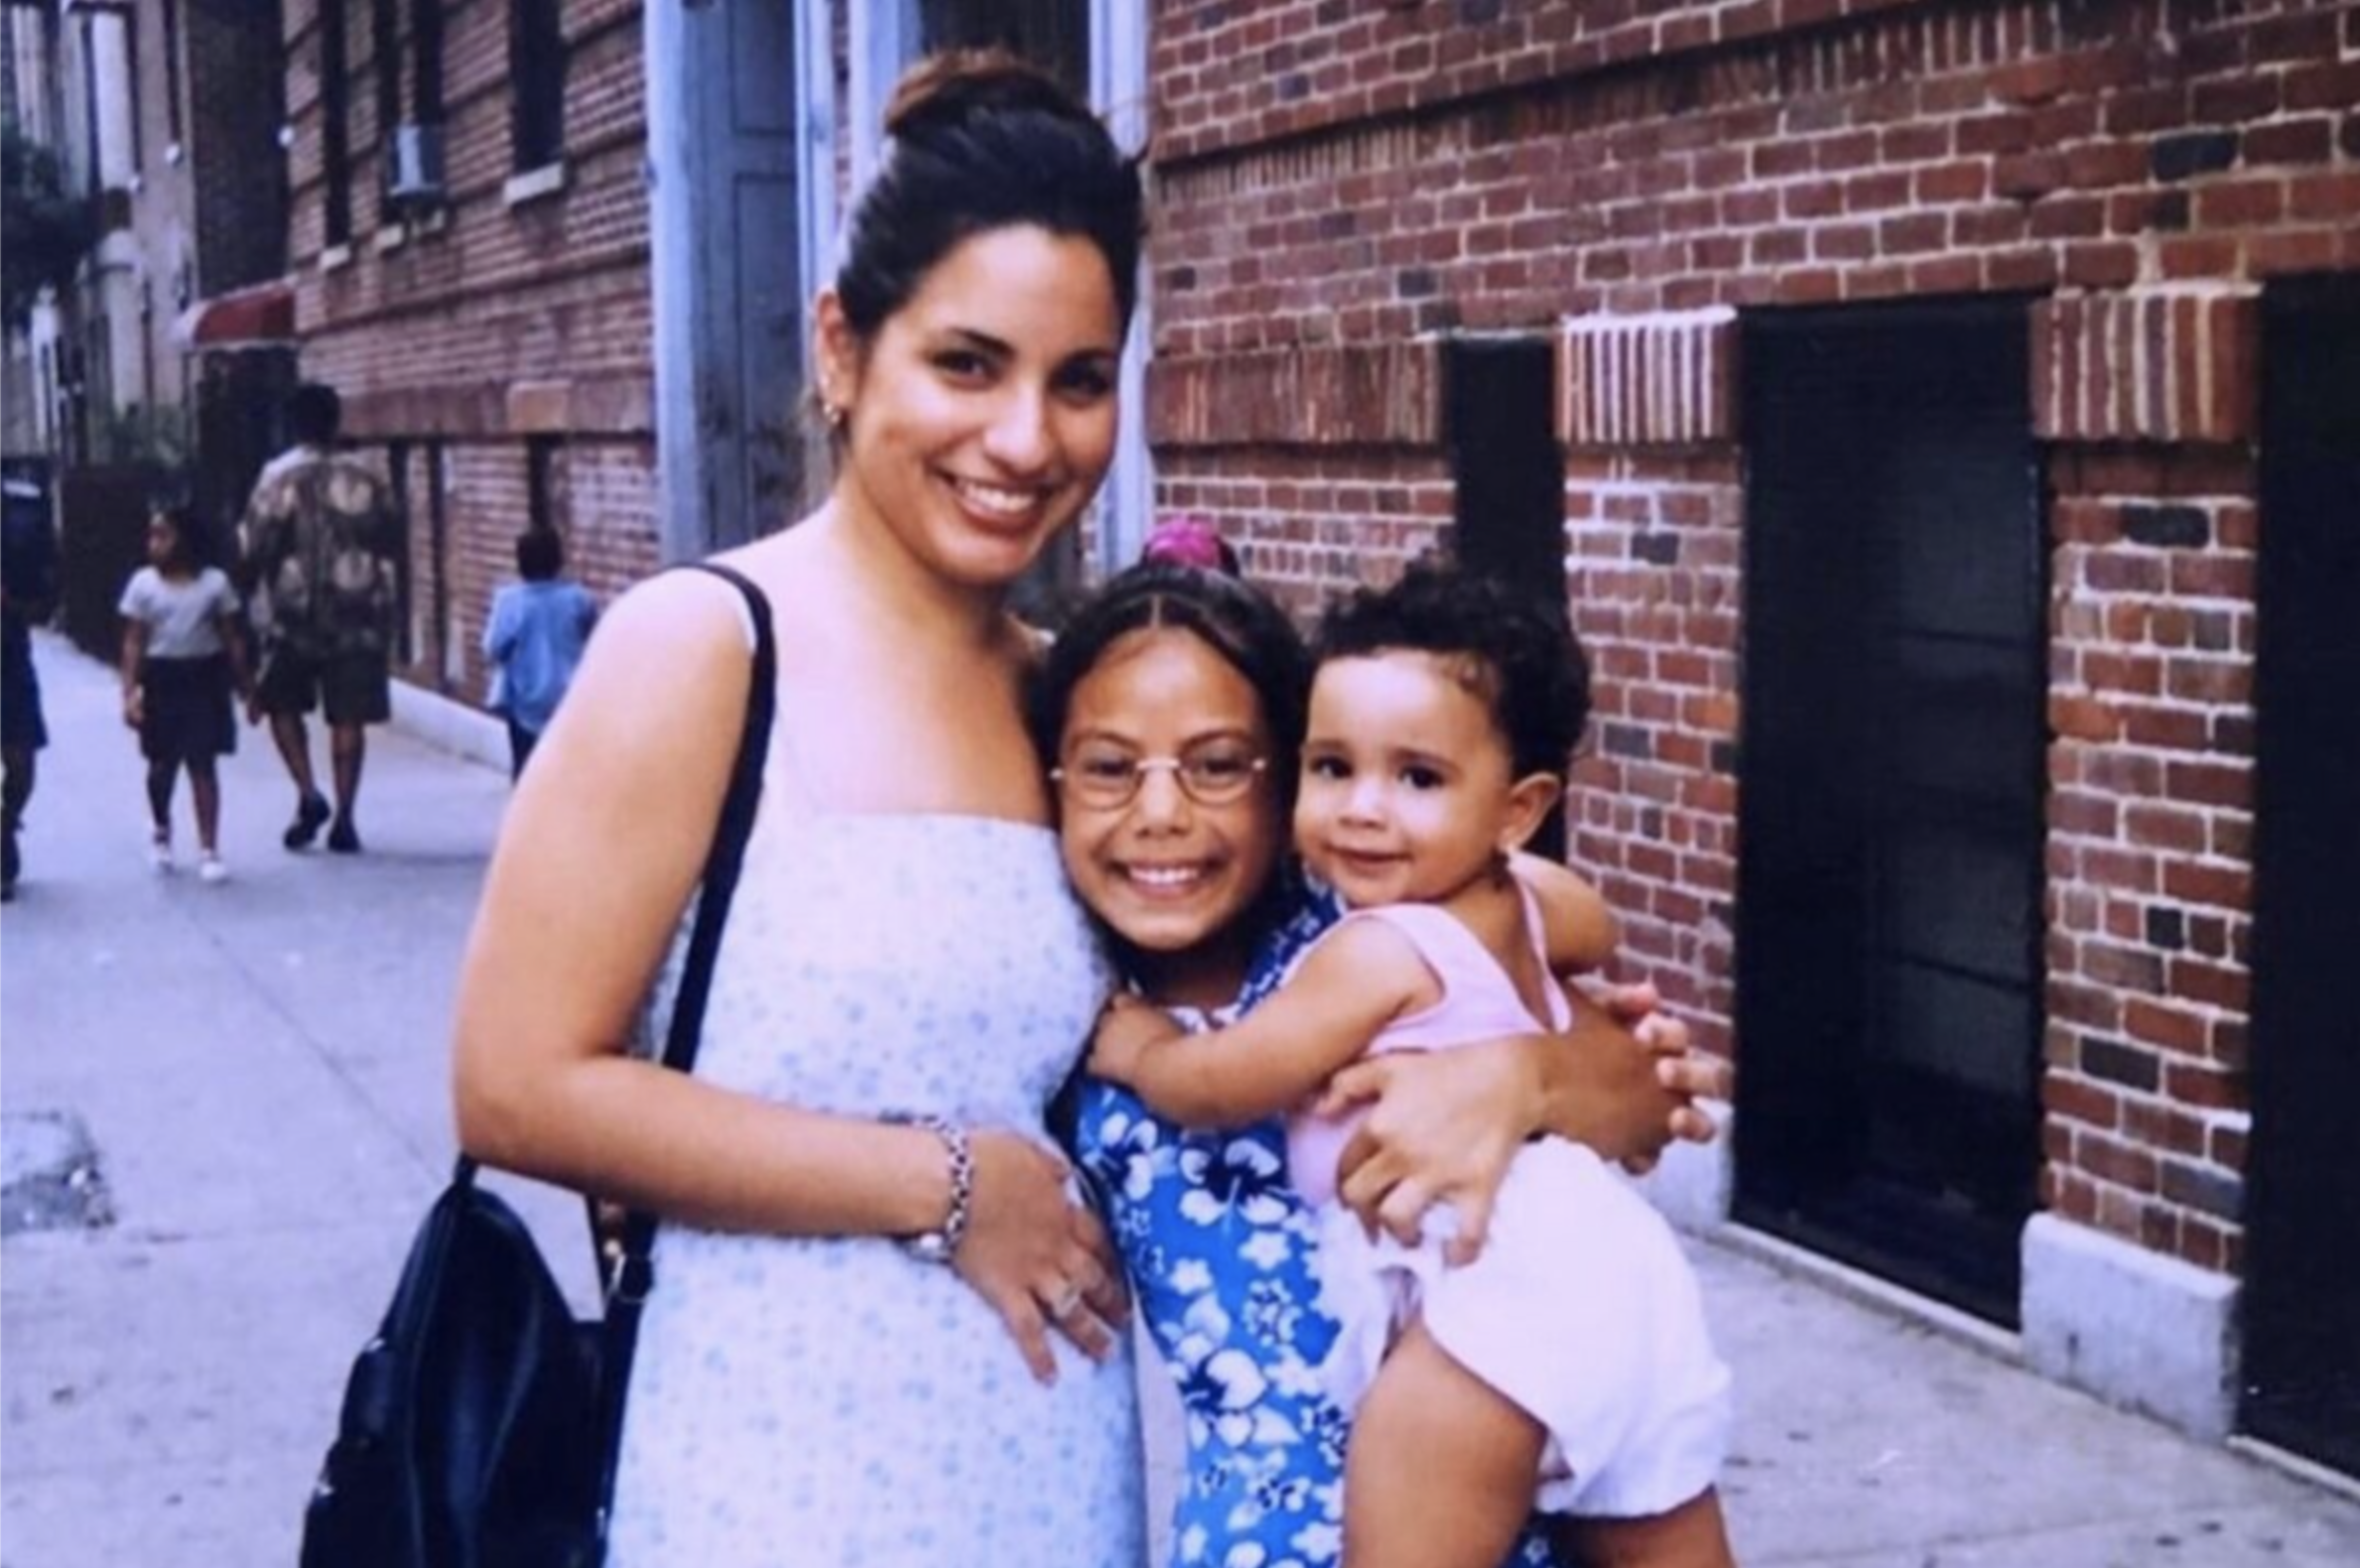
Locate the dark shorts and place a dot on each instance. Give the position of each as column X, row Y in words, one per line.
column 21, row 726
column 184, row 713
column 349, row 689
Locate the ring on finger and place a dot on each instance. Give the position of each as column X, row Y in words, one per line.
column 1062, row 1304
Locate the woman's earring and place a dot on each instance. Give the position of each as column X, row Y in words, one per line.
column 833, row 412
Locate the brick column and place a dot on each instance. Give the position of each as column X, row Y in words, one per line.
column 1652, row 515
column 2150, row 400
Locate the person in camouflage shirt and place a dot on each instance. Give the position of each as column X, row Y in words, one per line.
column 322, row 544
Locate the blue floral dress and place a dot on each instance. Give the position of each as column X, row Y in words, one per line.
column 1220, row 1248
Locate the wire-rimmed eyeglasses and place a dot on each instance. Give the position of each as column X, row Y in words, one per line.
column 1211, row 773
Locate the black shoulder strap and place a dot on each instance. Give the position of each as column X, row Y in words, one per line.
column 727, row 855
column 723, row 862
column 635, row 1274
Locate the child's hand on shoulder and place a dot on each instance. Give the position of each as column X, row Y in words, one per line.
column 1126, row 1031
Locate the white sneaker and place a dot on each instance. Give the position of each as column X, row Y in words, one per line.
column 210, row 870
column 160, row 852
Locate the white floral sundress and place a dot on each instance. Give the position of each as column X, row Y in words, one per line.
column 837, row 1402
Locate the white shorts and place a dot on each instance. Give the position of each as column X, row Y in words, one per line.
column 1581, row 1311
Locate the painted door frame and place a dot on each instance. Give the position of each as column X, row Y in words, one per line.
column 693, row 461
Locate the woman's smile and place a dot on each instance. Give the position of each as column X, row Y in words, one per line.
column 1002, row 508
column 998, row 502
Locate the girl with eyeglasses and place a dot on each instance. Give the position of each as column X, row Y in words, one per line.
column 1172, row 705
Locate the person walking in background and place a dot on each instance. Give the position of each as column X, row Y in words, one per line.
column 322, row 548
column 183, row 653
column 534, row 640
column 28, row 593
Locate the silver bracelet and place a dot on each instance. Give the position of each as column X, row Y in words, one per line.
column 941, row 1246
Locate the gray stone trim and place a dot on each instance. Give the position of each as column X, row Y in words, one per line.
column 449, row 725
column 2140, row 1329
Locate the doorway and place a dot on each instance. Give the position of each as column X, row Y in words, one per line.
column 730, row 328
column 1892, row 809
column 2302, row 1317
column 1508, row 482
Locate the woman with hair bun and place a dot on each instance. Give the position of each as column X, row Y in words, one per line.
column 884, row 1328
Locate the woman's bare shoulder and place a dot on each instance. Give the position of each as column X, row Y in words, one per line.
column 666, row 669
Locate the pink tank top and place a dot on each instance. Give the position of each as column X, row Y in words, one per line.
column 1479, row 1002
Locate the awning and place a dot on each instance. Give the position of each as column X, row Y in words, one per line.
column 241, row 318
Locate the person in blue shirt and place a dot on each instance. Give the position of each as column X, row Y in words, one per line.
column 534, row 640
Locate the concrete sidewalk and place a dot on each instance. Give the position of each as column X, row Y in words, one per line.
column 260, row 1068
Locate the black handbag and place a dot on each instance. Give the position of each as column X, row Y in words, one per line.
column 481, row 1425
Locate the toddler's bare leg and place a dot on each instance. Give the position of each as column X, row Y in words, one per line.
column 1691, row 1535
column 1442, row 1467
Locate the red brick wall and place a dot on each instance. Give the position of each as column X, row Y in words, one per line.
column 1651, row 576
column 2150, row 829
column 1932, row 146
column 1307, row 520
column 1354, row 179
column 492, row 322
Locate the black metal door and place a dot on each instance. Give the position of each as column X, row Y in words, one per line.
column 1508, row 478
column 1891, row 818
column 2303, row 1321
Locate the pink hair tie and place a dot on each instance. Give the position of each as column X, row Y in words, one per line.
column 1188, row 541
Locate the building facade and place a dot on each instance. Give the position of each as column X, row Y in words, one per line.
column 164, row 117
column 1941, row 417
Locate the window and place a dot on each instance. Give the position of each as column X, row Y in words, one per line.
column 544, row 484
column 385, row 56
column 98, row 370
column 129, row 21
column 93, row 173
column 537, row 67
column 171, row 71
column 426, row 67
column 147, row 343
column 335, row 131
column 397, row 476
